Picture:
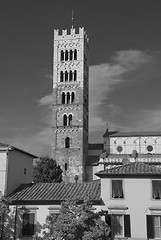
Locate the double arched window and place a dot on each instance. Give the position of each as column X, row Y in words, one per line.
column 67, row 120
column 67, row 97
column 68, row 76
column 68, row 55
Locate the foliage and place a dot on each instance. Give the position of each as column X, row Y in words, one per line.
column 47, row 170
column 77, row 222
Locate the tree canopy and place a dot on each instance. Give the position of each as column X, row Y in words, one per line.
column 47, row 170
column 77, row 222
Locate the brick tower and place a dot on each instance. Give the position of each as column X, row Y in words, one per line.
column 70, row 103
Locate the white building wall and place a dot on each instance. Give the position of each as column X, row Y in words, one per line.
column 138, row 200
column 3, row 161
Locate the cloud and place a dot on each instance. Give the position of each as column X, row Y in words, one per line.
column 46, row 100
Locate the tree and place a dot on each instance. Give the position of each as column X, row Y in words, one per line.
column 47, row 170
column 77, row 222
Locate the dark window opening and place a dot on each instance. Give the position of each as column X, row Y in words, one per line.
column 28, row 227
column 73, row 97
column 75, row 54
column 62, row 55
column 75, row 75
column 70, row 75
column 68, row 97
column 66, row 166
column 66, row 76
column 70, row 119
column 61, row 76
column 156, row 189
column 67, row 142
column 24, row 171
column 117, row 189
column 71, row 55
column 66, row 55
column 63, row 98
column 65, row 120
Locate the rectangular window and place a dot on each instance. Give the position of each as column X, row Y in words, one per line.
column 153, row 226
column 156, row 189
column 121, row 225
column 28, row 224
column 117, row 189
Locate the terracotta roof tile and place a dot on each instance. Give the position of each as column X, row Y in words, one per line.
column 136, row 168
column 56, row 191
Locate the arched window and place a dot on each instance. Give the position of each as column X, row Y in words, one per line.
column 61, row 76
column 66, row 55
column 75, row 75
column 65, row 120
column 66, row 76
column 70, row 120
column 63, row 98
column 62, row 55
column 67, row 142
column 68, row 97
column 70, row 75
column 73, row 97
column 75, row 54
column 71, row 55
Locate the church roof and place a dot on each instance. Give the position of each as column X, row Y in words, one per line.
column 132, row 134
column 137, row 169
column 55, row 192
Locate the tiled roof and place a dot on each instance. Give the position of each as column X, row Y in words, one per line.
column 136, row 134
column 131, row 169
column 56, row 191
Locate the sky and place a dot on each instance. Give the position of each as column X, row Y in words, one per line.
column 124, row 67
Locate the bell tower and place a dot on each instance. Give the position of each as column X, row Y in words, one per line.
column 70, row 103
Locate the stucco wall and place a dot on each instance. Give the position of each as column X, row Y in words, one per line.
column 138, row 199
column 2, row 171
column 17, row 163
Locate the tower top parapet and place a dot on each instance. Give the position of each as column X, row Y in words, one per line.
column 70, row 34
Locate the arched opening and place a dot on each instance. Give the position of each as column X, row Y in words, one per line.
column 75, row 75
column 67, row 142
column 70, row 120
column 66, row 76
column 66, row 55
column 66, row 166
column 70, row 75
column 65, row 120
column 62, row 55
column 61, row 76
column 68, row 97
column 63, row 98
column 75, row 54
column 71, row 55
column 73, row 97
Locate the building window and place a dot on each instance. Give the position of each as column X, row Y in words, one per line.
column 66, row 55
column 153, row 226
column 66, row 166
column 71, row 55
column 61, row 76
column 28, row 224
column 120, row 225
column 156, row 189
column 73, row 97
column 75, row 75
column 62, row 55
column 75, row 54
column 67, row 142
column 70, row 75
column 63, row 98
column 66, row 76
column 70, row 120
column 117, row 189
column 65, row 120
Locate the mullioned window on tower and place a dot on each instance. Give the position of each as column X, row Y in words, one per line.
column 67, row 120
column 68, row 76
column 68, row 97
column 68, row 55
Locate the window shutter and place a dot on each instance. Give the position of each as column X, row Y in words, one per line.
column 127, row 226
column 32, row 223
column 150, row 226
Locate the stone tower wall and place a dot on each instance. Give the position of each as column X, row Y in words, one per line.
column 71, row 158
